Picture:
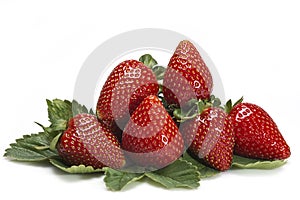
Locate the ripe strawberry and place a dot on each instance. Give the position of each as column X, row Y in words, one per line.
column 256, row 134
column 151, row 137
column 126, row 87
column 186, row 76
column 210, row 137
column 87, row 141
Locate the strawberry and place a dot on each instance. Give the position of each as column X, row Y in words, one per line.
column 125, row 88
column 210, row 137
column 87, row 141
column 151, row 137
column 256, row 134
column 186, row 76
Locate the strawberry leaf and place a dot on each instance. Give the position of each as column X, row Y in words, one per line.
column 116, row 180
column 205, row 172
column 148, row 60
column 78, row 108
column 42, row 146
column 248, row 163
column 34, row 147
column 58, row 125
column 20, row 153
column 180, row 173
column 159, row 72
column 81, row 169
column 54, row 142
column 59, row 110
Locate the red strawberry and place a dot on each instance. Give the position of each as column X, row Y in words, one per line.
column 151, row 137
column 256, row 134
column 186, row 76
column 126, row 87
column 87, row 141
column 210, row 137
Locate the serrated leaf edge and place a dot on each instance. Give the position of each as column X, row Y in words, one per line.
column 259, row 164
column 106, row 170
column 180, row 185
column 75, row 168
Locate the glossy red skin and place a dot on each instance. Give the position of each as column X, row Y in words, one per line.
column 151, row 137
column 87, row 141
column 126, row 87
column 256, row 134
column 186, row 76
column 210, row 138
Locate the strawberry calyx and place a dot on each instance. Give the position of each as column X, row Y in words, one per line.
column 159, row 72
column 229, row 106
column 169, row 107
column 195, row 107
column 150, row 62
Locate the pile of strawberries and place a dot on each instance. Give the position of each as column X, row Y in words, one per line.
column 142, row 123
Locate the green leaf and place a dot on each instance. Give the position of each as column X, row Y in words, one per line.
column 238, row 101
column 200, row 107
column 92, row 112
column 116, row 180
column 228, row 106
column 78, row 108
column 55, row 128
column 54, row 142
column 34, row 147
column 148, row 60
column 180, row 173
column 81, row 169
column 205, row 172
column 20, row 153
column 217, row 102
column 40, row 139
column 58, row 125
column 59, row 110
column 159, row 72
column 248, row 163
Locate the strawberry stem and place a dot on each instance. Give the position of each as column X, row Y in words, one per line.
column 181, row 116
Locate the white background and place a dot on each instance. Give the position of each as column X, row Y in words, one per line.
column 254, row 45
